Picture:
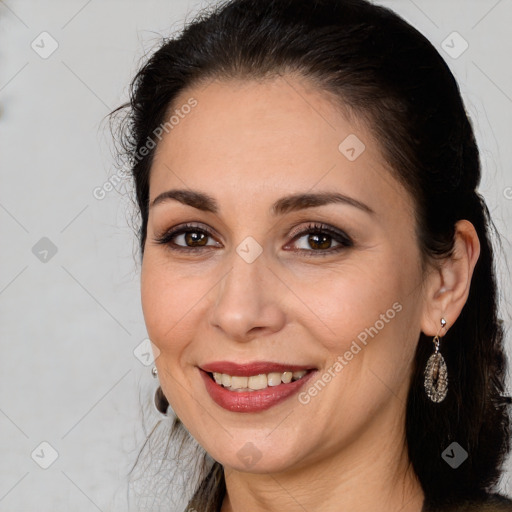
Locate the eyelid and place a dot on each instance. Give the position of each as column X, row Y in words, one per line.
column 184, row 227
column 302, row 229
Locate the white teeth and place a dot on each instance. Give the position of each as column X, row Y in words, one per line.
column 274, row 379
column 287, row 377
column 239, row 382
column 256, row 382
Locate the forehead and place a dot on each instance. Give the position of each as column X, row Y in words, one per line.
column 282, row 134
column 267, row 120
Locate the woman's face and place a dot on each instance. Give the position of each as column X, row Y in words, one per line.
column 331, row 284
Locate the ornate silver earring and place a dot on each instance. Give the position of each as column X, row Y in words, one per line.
column 436, row 373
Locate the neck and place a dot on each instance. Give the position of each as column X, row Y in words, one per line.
column 368, row 475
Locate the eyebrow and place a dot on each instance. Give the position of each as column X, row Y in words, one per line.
column 286, row 204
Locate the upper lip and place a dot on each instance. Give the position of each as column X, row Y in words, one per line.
column 252, row 368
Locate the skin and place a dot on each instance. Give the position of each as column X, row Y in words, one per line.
column 247, row 144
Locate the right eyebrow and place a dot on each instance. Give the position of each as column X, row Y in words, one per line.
column 192, row 198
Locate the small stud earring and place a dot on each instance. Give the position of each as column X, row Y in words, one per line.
column 159, row 399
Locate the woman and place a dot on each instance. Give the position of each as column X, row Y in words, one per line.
column 317, row 267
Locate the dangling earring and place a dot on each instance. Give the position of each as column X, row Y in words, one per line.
column 436, row 373
column 159, row 400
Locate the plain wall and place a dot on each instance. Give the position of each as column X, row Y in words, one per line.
column 70, row 321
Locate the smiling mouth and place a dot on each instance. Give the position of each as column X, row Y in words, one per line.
column 256, row 382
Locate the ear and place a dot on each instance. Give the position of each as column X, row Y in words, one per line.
column 448, row 285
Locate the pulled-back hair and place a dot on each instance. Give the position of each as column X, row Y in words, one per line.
column 384, row 72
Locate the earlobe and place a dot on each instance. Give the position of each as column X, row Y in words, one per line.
column 449, row 285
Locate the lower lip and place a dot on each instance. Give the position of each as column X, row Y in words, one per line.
column 252, row 401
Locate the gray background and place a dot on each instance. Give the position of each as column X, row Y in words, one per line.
column 70, row 321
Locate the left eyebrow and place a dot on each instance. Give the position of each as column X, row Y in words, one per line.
column 301, row 201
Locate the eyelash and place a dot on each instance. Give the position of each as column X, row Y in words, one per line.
column 313, row 228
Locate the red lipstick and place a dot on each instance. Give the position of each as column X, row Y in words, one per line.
column 256, row 400
column 253, row 368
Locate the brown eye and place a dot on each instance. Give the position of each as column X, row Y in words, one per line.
column 195, row 238
column 318, row 240
column 186, row 238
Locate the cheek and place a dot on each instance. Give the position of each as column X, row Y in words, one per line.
column 168, row 302
column 343, row 304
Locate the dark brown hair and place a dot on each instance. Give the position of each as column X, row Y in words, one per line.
column 386, row 73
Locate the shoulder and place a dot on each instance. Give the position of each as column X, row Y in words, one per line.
column 492, row 503
column 499, row 502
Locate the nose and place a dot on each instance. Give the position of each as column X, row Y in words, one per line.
column 247, row 303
